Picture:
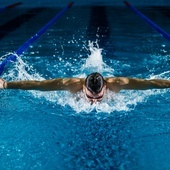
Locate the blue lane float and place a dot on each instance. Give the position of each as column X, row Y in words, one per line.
column 26, row 45
column 10, row 6
column 150, row 22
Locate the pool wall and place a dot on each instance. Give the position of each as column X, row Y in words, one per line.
column 52, row 3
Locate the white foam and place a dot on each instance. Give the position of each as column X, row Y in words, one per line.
column 94, row 62
column 165, row 74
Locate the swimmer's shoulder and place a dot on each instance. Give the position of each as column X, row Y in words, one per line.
column 74, row 85
column 117, row 80
column 115, row 83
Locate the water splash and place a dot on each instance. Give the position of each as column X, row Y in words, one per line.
column 94, row 62
column 123, row 101
column 164, row 75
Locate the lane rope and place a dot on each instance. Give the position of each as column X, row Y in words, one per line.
column 10, row 6
column 27, row 44
column 146, row 19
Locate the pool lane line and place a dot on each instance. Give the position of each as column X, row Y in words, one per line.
column 98, row 28
column 10, row 6
column 150, row 22
column 16, row 22
column 27, row 44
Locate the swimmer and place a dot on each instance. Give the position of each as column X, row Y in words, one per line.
column 94, row 85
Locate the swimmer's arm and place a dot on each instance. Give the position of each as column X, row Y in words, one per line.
column 119, row 83
column 71, row 84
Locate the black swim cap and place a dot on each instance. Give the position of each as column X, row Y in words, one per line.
column 94, row 82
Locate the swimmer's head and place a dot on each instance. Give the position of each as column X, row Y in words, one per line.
column 94, row 82
column 94, row 87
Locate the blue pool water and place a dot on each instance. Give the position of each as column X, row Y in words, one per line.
column 55, row 130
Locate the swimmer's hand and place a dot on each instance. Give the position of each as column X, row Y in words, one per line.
column 2, row 84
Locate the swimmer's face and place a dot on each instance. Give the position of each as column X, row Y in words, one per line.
column 94, row 98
